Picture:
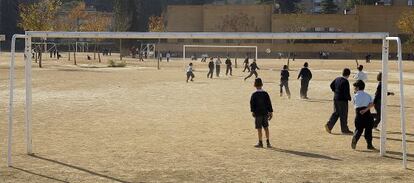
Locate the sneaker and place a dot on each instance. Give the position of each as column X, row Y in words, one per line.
column 327, row 128
column 371, row 147
column 269, row 145
column 348, row 132
column 259, row 145
column 288, row 96
column 281, row 94
column 354, row 143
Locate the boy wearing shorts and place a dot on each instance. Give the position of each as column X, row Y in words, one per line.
column 262, row 111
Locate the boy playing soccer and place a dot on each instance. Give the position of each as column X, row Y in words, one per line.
column 190, row 73
column 253, row 68
column 262, row 111
column 284, row 81
column 363, row 118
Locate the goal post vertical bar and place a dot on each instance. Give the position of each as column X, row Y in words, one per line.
column 256, row 52
column 183, row 52
column 402, row 106
column 28, row 103
column 384, row 89
column 11, row 96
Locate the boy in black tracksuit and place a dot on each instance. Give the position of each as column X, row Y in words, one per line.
column 340, row 87
column 284, row 81
column 306, row 75
column 363, row 118
column 246, row 64
column 377, row 101
column 228, row 67
column 210, row 68
column 253, row 68
column 262, row 111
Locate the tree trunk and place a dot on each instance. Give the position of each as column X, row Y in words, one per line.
column 69, row 53
column 120, row 49
column 94, row 52
column 99, row 57
column 40, row 60
column 74, row 58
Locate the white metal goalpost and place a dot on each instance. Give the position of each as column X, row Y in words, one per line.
column 203, row 35
column 215, row 46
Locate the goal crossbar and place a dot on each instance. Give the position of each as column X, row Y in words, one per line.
column 216, row 46
column 203, row 35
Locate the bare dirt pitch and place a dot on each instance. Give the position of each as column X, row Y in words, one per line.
column 139, row 124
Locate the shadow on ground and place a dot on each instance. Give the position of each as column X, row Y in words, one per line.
column 304, row 154
column 37, row 174
column 80, row 169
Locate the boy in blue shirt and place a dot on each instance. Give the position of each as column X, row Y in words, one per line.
column 363, row 119
column 262, row 111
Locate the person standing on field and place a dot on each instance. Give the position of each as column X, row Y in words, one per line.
column 306, row 75
column 160, row 56
column 218, row 65
column 340, row 87
column 361, row 75
column 168, row 56
column 377, row 101
column 210, row 68
column 262, row 111
column 284, row 81
column 228, row 67
column 190, row 73
column 363, row 119
column 246, row 64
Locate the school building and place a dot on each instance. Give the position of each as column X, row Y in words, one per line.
column 262, row 18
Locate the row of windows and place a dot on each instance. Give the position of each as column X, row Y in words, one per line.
column 264, row 41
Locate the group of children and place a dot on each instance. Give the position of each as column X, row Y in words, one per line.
column 216, row 65
column 261, row 106
column 365, row 121
column 363, row 102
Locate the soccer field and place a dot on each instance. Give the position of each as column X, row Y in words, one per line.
column 140, row 124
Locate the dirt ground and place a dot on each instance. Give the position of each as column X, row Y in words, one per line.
column 92, row 123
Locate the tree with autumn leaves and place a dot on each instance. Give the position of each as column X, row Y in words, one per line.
column 156, row 24
column 44, row 16
column 406, row 24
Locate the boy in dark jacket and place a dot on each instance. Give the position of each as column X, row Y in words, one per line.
column 377, row 101
column 306, row 75
column 340, row 87
column 262, row 111
column 246, row 64
column 210, row 68
column 284, row 81
column 253, row 68
column 228, row 67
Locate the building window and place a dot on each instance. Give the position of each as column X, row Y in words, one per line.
column 180, row 40
column 216, row 40
column 319, row 29
column 260, row 41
